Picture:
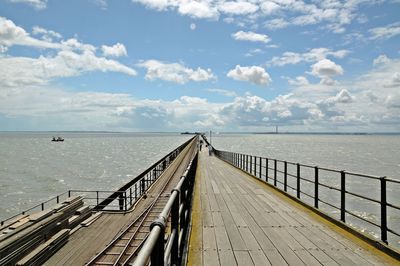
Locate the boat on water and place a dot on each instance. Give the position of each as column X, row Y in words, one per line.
column 57, row 139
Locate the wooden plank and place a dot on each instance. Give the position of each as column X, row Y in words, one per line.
column 19, row 223
column 40, row 215
column 243, row 258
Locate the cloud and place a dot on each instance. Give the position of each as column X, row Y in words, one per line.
column 100, row 3
column 11, row 34
column 116, row 50
column 47, row 35
column 335, row 15
column 382, row 59
column 385, row 32
column 326, row 68
column 277, row 23
column 269, row 7
column 70, row 58
column 22, row 71
column 299, row 81
column 254, row 74
column 192, row 26
column 250, row 36
column 226, row 93
column 237, row 8
column 175, row 72
column 38, row 4
column 394, row 81
column 313, row 55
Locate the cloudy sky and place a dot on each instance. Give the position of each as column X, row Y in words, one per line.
column 172, row 65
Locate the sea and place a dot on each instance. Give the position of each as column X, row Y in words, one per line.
column 33, row 168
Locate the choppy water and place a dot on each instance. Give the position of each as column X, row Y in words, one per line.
column 368, row 154
column 32, row 168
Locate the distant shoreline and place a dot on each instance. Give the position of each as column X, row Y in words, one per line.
column 214, row 133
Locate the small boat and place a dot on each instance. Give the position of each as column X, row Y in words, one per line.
column 57, row 139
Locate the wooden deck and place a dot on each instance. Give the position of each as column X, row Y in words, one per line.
column 239, row 220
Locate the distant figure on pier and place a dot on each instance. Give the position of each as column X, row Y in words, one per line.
column 210, row 148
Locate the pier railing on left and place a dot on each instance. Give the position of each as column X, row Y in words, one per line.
column 117, row 200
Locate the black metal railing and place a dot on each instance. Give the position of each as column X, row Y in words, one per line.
column 178, row 209
column 119, row 200
column 315, row 185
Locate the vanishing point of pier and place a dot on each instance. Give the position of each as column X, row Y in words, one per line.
column 199, row 209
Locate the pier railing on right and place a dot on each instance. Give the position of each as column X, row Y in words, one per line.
column 314, row 185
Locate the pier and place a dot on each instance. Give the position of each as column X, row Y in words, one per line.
column 190, row 208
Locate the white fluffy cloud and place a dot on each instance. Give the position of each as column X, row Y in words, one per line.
column 20, row 71
column 116, row 50
column 269, row 7
column 11, row 34
column 313, row 55
column 326, row 68
column 254, row 74
column 250, row 36
column 237, row 8
column 71, row 57
column 175, row 72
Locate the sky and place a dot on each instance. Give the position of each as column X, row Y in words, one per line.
column 196, row 65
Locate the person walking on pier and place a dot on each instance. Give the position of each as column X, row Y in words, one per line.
column 210, row 148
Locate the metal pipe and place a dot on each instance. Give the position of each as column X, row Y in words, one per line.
column 148, row 246
column 316, row 183
column 383, row 211
column 343, row 196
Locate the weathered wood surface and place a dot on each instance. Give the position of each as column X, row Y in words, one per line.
column 238, row 220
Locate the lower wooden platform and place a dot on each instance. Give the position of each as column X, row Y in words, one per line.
column 239, row 220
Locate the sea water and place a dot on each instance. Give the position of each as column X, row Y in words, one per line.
column 33, row 168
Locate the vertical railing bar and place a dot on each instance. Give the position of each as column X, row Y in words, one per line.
column 383, row 210
column 316, row 187
column 298, row 181
column 275, row 164
column 285, row 177
column 343, row 196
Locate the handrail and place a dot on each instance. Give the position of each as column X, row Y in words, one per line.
column 178, row 207
column 268, row 169
column 134, row 189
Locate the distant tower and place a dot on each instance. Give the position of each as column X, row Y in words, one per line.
column 276, row 129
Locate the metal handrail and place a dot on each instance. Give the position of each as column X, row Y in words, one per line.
column 177, row 207
column 260, row 167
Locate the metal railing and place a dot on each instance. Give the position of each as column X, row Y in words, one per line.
column 178, row 209
column 120, row 200
column 277, row 172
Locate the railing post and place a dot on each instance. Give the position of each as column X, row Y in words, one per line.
column 251, row 164
column 241, row 161
column 383, row 211
column 121, row 201
column 142, row 187
column 260, row 171
column 266, row 170
column 97, row 197
column 316, row 183
column 275, row 163
column 130, row 196
column 298, row 181
column 69, row 193
column 285, row 177
column 343, row 196
column 42, row 206
column 58, row 199
column 247, row 163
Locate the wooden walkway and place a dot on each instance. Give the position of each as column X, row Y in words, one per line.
column 239, row 220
